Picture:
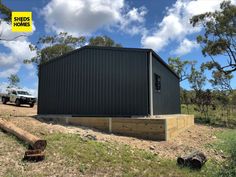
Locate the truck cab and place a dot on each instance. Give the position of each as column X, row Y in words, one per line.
column 19, row 97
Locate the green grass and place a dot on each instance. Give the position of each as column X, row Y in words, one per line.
column 69, row 153
column 227, row 144
column 114, row 159
column 216, row 117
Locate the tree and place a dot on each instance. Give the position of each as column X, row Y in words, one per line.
column 219, row 80
column 49, row 47
column 233, row 99
column 180, row 67
column 222, row 100
column 219, row 37
column 202, row 99
column 197, row 78
column 13, row 80
column 103, row 41
column 186, row 98
column 5, row 13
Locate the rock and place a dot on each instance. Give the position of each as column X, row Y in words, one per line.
column 91, row 137
column 42, row 133
column 213, row 137
column 156, row 153
column 223, row 157
column 152, row 147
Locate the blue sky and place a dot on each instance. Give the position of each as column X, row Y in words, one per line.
column 161, row 25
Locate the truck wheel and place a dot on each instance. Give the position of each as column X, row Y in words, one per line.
column 17, row 102
column 4, row 100
column 32, row 105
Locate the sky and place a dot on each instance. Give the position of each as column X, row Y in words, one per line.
column 157, row 24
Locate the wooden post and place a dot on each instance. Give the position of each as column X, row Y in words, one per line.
column 35, row 142
column 110, row 124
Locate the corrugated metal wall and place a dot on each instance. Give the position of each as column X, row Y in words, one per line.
column 95, row 82
column 167, row 101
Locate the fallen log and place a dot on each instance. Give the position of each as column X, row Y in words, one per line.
column 195, row 160
column 33, row 141
column 34, row 155
column 185, row 160
column 198, row 160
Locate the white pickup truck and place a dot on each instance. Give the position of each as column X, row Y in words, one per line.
column 18, row 97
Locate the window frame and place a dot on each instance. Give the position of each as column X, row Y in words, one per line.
column 157, row 83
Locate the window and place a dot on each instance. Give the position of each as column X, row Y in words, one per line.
column 23, row 92
column 157, row 82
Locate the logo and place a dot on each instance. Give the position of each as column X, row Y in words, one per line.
column 21, row 21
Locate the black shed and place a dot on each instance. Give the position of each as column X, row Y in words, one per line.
column 108, row 81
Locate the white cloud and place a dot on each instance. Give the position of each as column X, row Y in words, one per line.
column 11, row 62
column 19, row 48
column 7, row 71
column 82, row 17
column 137, row 14
column 3, row 87
column 133, row 21
column 175, row 25
column 185, row 47
column 7, row 34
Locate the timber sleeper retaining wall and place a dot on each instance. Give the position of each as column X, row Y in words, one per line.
column 162, row 127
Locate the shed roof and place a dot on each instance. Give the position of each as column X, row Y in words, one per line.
column 117, row 48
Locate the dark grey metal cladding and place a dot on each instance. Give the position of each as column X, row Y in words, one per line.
column 95, row 82
column 167, row 101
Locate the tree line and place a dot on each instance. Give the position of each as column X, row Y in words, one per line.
column 63, row 43
column 218, row 41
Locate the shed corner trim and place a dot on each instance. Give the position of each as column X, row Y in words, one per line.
column 150, row 84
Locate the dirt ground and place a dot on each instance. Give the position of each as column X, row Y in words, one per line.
column 197, row 137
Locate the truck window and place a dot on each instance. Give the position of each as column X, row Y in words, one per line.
column 14, row 92
column 23, row 92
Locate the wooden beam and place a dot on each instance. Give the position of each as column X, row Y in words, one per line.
column 35, row 142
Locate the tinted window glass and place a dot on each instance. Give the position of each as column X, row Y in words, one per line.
column 157, row 83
